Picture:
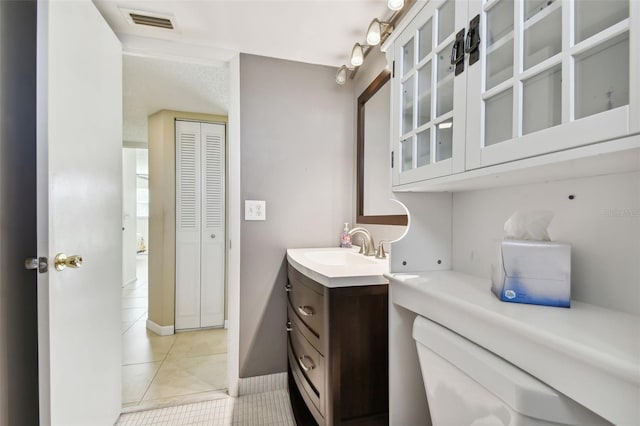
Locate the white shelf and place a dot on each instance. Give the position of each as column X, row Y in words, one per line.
column 588, row 353
column 618, row 156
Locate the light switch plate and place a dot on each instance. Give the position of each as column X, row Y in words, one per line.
column 255, row 210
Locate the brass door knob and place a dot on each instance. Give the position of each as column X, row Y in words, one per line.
column 62, row 261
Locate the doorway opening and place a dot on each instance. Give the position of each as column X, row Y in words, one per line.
column 190, row 365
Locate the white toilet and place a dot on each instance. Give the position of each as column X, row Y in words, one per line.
column 468, row 385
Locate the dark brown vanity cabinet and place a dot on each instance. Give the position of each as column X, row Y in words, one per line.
column 338, row 352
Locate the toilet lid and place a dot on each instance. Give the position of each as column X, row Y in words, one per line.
column 521, row 391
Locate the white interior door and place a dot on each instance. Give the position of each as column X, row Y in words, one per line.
column 188, row 214
column 213, row 225
column 79, row 139
column 200, row 224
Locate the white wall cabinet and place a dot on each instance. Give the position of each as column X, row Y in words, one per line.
column 551, row 75
column 200, row 225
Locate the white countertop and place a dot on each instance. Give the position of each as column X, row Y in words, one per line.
column 339, row 267
column 590, row 354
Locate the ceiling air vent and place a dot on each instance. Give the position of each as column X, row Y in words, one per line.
column 137, row 17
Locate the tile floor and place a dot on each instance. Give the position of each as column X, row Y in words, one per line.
column 182, row 379
column 161, row 370
column 270, row 408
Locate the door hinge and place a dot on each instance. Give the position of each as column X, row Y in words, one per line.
column 393, row 69
column 39, row 263
column 392, row 159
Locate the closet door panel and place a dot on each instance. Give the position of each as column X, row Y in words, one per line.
column 188, row 225
column 213, row 225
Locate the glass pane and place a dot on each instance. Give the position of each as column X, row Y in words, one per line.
column 500, row 64
column 499, row 21
column 407, row 57
column 543, row 39
column 444, row 140
column 446, row 20
column 498, row 113
column 532, row 7
column 425, row 40
column 593, row 16
column 602, row 78
column 424, row 147
column 406, row 146
column 407, row 105
column 444, row 88
column 424, row 94
column 542, row 101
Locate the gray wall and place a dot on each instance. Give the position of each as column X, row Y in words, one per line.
column 18, row 291
column 297, row 149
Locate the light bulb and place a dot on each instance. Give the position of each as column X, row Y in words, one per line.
column 341, row 75
column 395, row 4
column 357, row 55
column 373, row 33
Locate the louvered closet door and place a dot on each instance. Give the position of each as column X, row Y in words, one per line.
column 213, row 225
column 188, row 225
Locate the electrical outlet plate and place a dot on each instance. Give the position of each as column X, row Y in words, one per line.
column 255, row 210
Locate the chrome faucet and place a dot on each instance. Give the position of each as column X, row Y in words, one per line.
column 368, row 247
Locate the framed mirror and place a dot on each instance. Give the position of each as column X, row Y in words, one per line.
column 373, row 195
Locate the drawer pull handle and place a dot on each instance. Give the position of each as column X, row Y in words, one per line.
column 287, row 288
column 303, row 365
column 305, row 310
column 289, row 326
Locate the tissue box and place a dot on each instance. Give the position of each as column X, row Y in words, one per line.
column 536, row 272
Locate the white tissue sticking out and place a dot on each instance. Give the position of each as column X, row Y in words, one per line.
column 528, row 225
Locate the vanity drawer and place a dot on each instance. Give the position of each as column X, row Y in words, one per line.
column 308, row 364
column 307, row 300
column 295, row 323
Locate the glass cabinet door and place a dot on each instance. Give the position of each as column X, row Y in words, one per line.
column 426, row 138
column 555, row 74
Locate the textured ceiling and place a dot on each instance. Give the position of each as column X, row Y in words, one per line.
column 193, row 74
column 150, row 85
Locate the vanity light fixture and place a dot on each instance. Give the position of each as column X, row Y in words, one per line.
column 395, row 4
column 375, row 31
column 341, row 75
column 357, row 54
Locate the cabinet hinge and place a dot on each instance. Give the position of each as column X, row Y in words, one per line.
column 392, row 159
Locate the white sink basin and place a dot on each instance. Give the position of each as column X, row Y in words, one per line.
column 338, row 258
column 339, row 267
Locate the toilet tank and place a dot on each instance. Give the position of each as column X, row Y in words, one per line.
column 468, row 385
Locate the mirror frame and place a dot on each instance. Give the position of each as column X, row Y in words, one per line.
column 400, row 219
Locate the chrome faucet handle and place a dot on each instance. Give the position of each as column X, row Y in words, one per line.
column 380, row 254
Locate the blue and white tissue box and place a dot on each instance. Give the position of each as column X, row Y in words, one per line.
column 535, row 272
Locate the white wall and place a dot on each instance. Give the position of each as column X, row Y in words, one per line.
column 602, row 223
column 129, row 222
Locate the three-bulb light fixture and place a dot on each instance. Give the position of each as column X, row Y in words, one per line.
column 374, row 37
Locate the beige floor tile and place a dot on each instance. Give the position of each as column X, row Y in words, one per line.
column 189, row 376
column 136, row 379
column 199, row 343
column 137, row 349
column 133, row 314
column 134, row 302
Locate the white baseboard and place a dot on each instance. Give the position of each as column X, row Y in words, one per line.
column 226, row 324
column 162, row 330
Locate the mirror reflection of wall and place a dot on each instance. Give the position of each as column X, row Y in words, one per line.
column 377, row 191
column 375, row 204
